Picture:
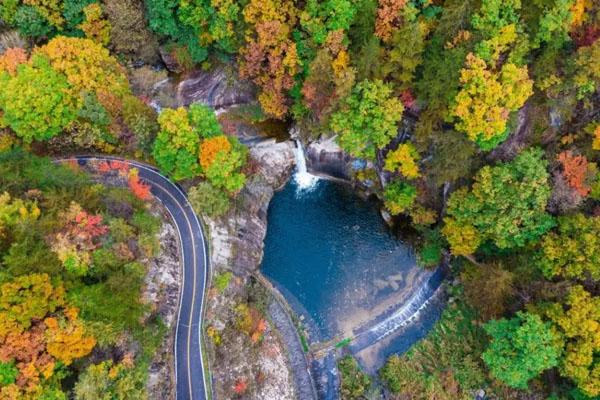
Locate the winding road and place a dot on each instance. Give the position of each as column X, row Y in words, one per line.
column 190, row 375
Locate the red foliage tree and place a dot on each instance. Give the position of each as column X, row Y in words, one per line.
column 241, row 385
column 140, row 189
column 576, row 171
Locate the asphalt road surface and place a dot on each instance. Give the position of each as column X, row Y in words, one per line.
column 190, row 375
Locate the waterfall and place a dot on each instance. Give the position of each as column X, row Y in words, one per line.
column 306, row 181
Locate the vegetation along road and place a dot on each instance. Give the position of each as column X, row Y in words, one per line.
column 190, row 375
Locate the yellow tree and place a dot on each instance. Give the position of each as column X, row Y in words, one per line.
column 66, row 338
column 95, row 27
column 88, row 66
column 579, row 322
column 403, row 159
column 487, row 98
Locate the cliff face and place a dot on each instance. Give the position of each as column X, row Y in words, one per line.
column 236, row 244
column 238, row 240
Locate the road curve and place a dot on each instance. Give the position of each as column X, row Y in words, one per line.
column 190, row 376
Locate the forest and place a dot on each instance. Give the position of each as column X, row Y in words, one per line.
column 482, row 115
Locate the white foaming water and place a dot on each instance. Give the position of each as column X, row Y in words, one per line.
column 405, row 315
column 305, row 181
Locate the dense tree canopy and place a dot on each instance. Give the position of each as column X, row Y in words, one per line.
column 506, row 206
column 579, row 322
column 474, row 122
column 486, row 99
column 368, row 119
column 37, row 102
column 176, row 146
column 573, row 250
column 521, row 348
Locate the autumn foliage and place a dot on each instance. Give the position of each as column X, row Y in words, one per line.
column 210, row 148
column 140, row 189
column 78, row 237
column 251, row 322
column 270, row 57
column 576, row 171
column 404, row 160
column 34, row 340
column 487, row 98
column 388, row 16
column 11, row 59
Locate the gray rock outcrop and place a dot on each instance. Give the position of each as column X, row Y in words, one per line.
column 217, row 88
column 325, row 158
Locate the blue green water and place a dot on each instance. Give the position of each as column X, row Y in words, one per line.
column 334, row 258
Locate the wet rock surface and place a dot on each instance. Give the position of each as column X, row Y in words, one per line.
column 298, row 364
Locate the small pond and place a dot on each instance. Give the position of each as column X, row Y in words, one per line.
column 333, row 257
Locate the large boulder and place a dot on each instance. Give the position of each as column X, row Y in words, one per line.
column 217, row 88
column 325, row 158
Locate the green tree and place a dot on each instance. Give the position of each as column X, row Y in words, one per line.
column 404, row 51
column 224, row 172
column 399, row 196
column 506, row 205
column 163, row 19
column 554, row 24
column 107, row 381
column 8, row 373
column 521, row 348
column 494, row 15
column 573, row 251
column 37, row 103
column 207, row 199
column 321, row 17
column 368, row 119
column 176, row 147
column 204, row 121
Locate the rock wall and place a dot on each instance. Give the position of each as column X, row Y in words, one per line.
column 238, row 240
column 325, row 158
column 236, row 245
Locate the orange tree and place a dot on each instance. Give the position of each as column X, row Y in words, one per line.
column 38, row 332
column 191, row 143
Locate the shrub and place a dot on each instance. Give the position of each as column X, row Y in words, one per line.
column 207, row 199
column 399, row 197
column 355, row 383
column 222, row 280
